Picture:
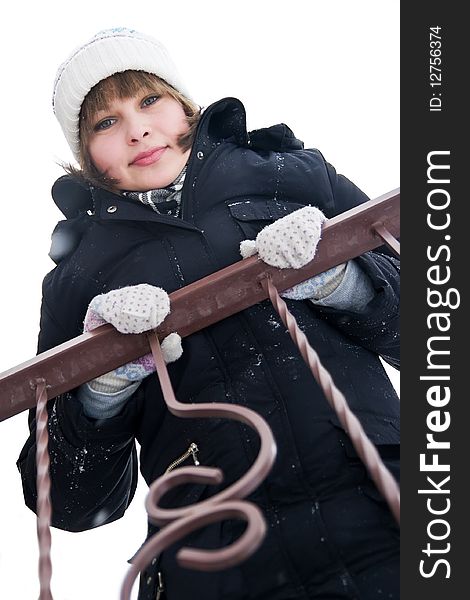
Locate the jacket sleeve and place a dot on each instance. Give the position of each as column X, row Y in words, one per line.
column 93, row 466
column 377, row 326
column 346, row 194
column 93, row 463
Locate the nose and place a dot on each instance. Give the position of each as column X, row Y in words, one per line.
column 138, row 129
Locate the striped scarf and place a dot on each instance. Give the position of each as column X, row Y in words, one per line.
column 165, row 201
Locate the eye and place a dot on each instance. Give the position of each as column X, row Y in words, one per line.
column 104, row 124
column 150, row 100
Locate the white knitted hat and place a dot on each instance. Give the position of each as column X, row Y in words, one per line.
column 109, row 51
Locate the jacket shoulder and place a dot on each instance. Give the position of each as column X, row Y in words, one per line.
column 225, row 120
column 72, row 197
column 277, row 138
column 65, row 238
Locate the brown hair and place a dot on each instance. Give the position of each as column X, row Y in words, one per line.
column 124, row 85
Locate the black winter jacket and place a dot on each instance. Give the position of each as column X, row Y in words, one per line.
column 235, row 184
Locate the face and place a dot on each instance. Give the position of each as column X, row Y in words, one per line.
column 135, row 140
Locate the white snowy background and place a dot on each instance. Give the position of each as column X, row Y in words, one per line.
column 330, row 70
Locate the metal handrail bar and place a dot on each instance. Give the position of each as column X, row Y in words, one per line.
column 197, row 306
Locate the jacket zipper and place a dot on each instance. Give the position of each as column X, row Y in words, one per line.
column 191, row 451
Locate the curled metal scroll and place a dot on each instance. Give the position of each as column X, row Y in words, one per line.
column 227, row 504
column 43, row 480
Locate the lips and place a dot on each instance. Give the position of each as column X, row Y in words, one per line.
column 149, row 156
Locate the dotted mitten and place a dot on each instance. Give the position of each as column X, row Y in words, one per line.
column 290, row 242
column 132, row 309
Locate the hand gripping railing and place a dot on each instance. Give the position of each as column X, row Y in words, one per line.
column 194, row 307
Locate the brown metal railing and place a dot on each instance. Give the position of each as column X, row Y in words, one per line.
column 192, row 308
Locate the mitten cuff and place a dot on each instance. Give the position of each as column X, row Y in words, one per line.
column 353, row 293
column 317, row 287
column 110, row 383
column 102, row 405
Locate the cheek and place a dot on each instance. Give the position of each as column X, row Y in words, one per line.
column 184, row 124
column 177, row 124
column 103, row 155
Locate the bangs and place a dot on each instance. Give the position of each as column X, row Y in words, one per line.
column 117, row 87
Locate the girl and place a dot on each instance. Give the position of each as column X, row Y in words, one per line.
column 164, row 195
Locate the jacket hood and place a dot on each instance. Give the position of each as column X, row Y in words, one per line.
column 224, row 120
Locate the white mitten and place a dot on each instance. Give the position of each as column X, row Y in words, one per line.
column 289, row 242
column 132, row 309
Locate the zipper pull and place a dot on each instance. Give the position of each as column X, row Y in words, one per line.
column 194, row 450
column 191, row 451
column 161, row 587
